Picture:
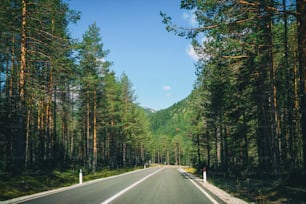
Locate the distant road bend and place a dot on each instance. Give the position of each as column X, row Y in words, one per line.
column 152, row 185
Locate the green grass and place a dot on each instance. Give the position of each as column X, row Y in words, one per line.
column 33, row 182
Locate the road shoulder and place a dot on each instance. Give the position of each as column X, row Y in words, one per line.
column 219, row 193
column 61, row 189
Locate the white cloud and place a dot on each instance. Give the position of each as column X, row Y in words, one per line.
column 190, row 17
column 185, row 16
column 193, row 20
column 166, row 88
column 191, row 53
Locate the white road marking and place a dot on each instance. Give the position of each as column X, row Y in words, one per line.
column 51, row 192
column 201, row 189
column 129, row 187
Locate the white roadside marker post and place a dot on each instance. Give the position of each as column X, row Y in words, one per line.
column 204, row 175
column 81, row 176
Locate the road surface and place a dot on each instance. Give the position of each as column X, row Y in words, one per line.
column 152, row 185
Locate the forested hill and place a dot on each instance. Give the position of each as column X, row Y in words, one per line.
column 172, row 120
column 170, row 129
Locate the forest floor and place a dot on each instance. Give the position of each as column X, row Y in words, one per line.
column 37, row 181
column 262, row 191
column 275, row 191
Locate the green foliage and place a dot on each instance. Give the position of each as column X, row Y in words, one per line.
column 34, row 182
column 170, row 132
column 76, row 113
column 172, row 120
column 245, row 118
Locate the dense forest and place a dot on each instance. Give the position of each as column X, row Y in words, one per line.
column 61, row 105
column 170, row 129
column 250, row 93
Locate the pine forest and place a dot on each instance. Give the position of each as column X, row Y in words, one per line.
column 249, row 96
column 61, row 105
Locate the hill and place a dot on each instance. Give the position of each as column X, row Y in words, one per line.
column 173, row 120
column 149, row 111
column 170, row 130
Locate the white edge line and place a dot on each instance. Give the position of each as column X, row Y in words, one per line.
column 61, row 189
column 129, row 187
column 202, row 190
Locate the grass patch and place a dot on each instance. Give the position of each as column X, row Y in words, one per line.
column 33, row 182
column 107, row 172
column 37, row 181
column 190, row 170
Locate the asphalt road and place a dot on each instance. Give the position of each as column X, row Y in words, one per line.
column 152, row 185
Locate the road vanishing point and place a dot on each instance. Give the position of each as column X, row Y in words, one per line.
column 164, row 185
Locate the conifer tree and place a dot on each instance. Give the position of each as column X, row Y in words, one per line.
column 91, row 65
column 301, row 21
column 249, row 85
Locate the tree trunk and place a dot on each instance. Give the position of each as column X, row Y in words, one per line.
column 301, row 21
column 124, row 147
column 208, row 147
column 94, row 163
column 218, row 144
column 27, row 152
column 246, row 142
column 198, row 150
column 23, row 52
column 290, row 98
column 11, row 103
column 88, row 133
column 50, row 105
column 296, row 115
column 273, row 93
column 20, row 137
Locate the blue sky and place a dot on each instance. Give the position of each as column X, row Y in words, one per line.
column 159, row 64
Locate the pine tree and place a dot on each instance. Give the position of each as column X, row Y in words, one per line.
column 249, row 85
column 127, row 100
column 301, row 21
column 91, row 65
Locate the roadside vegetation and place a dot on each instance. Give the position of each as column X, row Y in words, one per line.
column 30, row 182
column 269, row 190
column 290, row 189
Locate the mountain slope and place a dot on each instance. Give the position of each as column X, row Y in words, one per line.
column 170, row 130
column 173, row 120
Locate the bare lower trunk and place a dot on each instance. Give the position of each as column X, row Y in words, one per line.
column 20, row 137
column 94, row 163
column 301, row 20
